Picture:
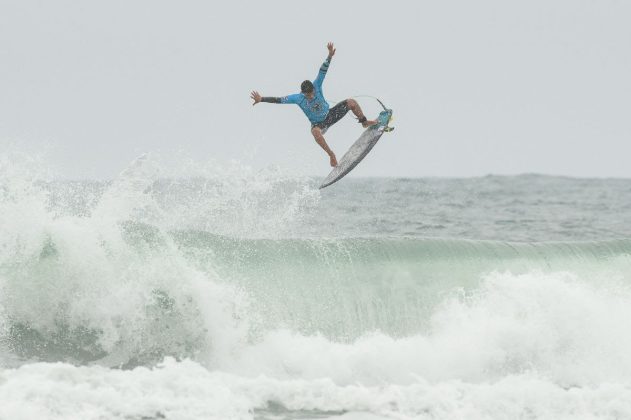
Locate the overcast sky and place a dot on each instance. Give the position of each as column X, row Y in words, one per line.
column 477, row 87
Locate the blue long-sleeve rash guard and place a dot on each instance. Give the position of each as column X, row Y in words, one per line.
column 317, row 108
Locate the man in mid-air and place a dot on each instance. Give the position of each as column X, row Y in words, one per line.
column 311, row 101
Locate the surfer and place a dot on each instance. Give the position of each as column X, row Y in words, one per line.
column 311, row 101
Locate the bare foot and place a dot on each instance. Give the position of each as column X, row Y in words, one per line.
column 333, row 161
column 369, row 123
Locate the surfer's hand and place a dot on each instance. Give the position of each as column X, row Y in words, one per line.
column 333, row 160
column 255, row 97
column 331, row 49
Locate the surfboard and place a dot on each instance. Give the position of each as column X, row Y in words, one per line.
column 360, row 148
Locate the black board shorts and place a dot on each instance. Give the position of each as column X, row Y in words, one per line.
column 335, row 114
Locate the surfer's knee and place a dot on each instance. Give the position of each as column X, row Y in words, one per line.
column 316, row 131
column 352, row 103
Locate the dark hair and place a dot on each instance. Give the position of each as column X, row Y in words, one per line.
column 306, row 86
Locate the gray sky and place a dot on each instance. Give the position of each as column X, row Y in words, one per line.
column 477, row 87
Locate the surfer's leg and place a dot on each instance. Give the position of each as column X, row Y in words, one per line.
column 354, row 106
column 335, row 114
column 319, row 138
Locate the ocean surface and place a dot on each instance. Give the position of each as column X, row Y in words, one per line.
column 224, row 292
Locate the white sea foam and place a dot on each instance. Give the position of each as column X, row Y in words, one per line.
column 186, row 390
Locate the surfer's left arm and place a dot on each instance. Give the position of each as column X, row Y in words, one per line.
column 325, row 66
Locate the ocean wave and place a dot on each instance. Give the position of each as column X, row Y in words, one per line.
column 213, row 303
column 134, row 297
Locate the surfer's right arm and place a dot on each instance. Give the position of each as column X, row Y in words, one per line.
column 289, row 99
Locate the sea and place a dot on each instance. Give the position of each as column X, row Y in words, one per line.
column 221, row 291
